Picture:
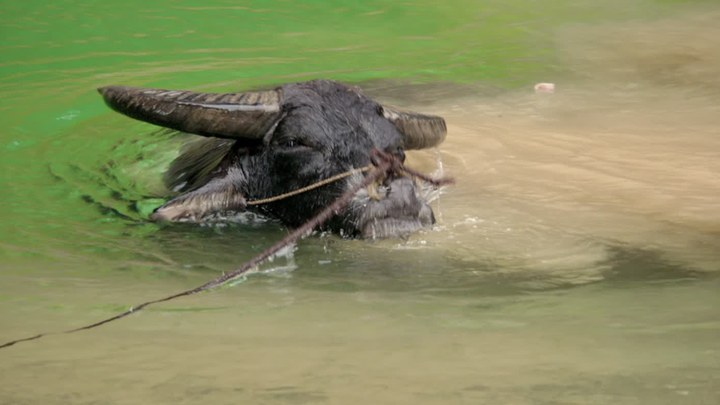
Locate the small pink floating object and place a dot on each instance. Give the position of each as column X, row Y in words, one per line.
column 545, row 88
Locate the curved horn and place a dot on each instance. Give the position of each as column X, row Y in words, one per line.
column 419, row 130
column 230, row 115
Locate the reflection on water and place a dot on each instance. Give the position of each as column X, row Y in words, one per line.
column 575, row 261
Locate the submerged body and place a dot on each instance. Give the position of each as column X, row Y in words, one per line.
column 265, row 144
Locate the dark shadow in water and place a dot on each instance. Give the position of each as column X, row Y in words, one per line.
column 632, row 265
column 426, row 271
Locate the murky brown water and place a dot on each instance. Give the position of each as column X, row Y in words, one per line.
column 576, row 261
column 626, row 155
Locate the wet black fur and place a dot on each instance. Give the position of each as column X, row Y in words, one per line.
column 326, row 128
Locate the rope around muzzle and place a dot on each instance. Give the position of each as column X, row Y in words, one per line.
column 383, row 165
column 310, row 187
column 401, row 169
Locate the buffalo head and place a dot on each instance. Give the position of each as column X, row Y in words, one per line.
column 262, row 144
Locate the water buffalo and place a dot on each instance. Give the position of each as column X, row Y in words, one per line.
column 261, row 144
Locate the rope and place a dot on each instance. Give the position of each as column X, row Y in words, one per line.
column 384, row 164
column 398, row 167
column 310, row 187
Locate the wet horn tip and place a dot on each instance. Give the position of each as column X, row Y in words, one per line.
column 419, row 130
column 110, row 92
column 106, row 89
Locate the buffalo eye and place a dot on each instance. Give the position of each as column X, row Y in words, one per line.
column 289, row 143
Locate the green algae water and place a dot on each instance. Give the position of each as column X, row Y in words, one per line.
column 575, row 261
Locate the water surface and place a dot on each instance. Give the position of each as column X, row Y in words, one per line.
column 575, row 261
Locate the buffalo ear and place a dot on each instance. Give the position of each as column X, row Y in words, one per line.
column 219, row 195
column 197, row 163
column 419, row 131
